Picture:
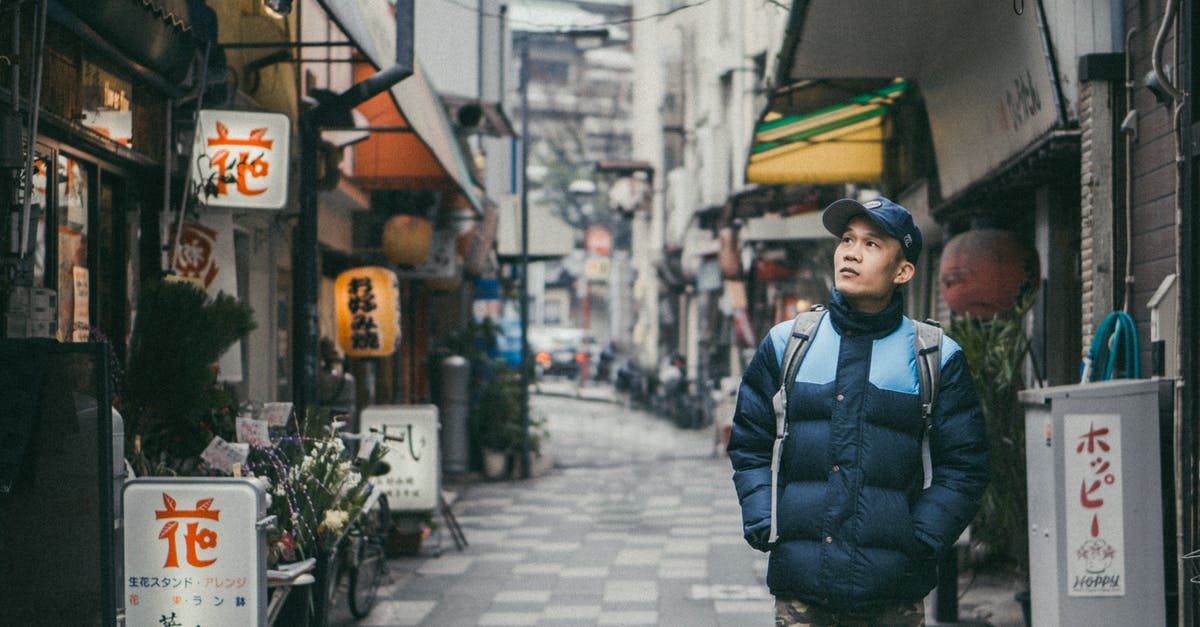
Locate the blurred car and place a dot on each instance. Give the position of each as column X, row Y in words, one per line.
column 558, row 351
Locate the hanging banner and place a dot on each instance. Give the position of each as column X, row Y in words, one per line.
column 1092, row 470
column 205, row 257
column 193, row 553
column 240, row 158
column 368, row 311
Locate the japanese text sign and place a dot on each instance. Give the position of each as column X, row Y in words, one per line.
column 368, row 311
column 1095, row 534
column 411, row 432
column 240, row 158
column 193, row 554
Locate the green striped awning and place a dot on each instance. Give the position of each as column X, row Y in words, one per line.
column 825, row 132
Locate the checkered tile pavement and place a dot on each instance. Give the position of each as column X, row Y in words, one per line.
column 637, row 524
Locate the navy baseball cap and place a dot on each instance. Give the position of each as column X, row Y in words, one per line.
column 892, row 218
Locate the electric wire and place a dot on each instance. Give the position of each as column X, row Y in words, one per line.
column 565, row 27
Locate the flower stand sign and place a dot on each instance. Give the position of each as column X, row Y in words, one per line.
column 240, row 158
column 195, row 553
column 414, row 467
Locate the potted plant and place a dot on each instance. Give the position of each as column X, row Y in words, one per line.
column 996, row 349
column 170, row 398
column 496, row 424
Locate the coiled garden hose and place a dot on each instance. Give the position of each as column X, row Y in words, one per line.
column 1116, row 336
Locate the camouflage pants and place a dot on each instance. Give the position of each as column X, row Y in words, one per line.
column 793, row 613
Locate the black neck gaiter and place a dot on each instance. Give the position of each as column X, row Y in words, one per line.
column 876, row 325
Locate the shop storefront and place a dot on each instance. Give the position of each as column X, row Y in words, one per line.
column 96, row 177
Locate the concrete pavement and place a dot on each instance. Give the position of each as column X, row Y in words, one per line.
column 636, row 524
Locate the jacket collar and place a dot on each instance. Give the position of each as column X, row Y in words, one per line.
column 847, row 321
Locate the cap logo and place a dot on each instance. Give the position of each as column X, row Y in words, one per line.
column 908, row 240
column 872, row 204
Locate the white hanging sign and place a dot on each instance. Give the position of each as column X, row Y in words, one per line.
column 240, row 158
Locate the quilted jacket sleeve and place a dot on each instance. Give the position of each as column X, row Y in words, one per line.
column 958, row 446
column 751, row 441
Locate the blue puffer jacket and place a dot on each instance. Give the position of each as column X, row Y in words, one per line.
column 855, row 527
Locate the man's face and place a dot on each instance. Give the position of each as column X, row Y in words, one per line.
column 868, row 265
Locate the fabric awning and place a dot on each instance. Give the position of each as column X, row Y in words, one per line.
column 983, row 69
column 161, row 35
column 429, row 156
column 825, row 132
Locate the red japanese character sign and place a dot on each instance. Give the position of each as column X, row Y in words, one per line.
column 1095, row 539
column 240, row 158
column 193, row 553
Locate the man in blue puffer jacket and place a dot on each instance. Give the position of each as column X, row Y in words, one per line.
column 858, row 536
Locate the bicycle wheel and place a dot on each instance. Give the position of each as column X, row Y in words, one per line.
column 370, row 563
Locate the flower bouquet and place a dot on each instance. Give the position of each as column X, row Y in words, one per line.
column 317, row 486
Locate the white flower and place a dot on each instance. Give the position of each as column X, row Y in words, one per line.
column 335, row 519
column 350, row 482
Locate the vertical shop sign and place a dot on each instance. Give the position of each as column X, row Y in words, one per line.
column 413, row 478
column 205, row 256
column 193, row 555
column 1095, row 519
column 81, row 292
column 368, row 311
column 240, row 158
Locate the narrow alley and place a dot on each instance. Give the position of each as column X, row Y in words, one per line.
column 636, row 524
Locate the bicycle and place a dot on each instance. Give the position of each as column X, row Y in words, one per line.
column 366, row 555
column 361, row 553
column 358, row 555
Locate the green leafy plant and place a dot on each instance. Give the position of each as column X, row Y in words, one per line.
column 996, row 349
column 496, row 421
column 170, row 398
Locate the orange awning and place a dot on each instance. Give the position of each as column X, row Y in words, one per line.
column 428, row 157
column 397, row 160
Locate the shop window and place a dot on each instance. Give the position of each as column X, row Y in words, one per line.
column 106, row 104
column 71, row 207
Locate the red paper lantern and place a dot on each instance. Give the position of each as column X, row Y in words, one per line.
column 984, row 271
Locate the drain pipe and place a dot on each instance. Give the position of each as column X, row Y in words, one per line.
column 39, row 52
column 1158, row 82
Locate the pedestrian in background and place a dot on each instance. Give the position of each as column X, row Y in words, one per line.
column 856, row 535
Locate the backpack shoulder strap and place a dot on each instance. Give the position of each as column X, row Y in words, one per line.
column 803, row 330
column 927, row 344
